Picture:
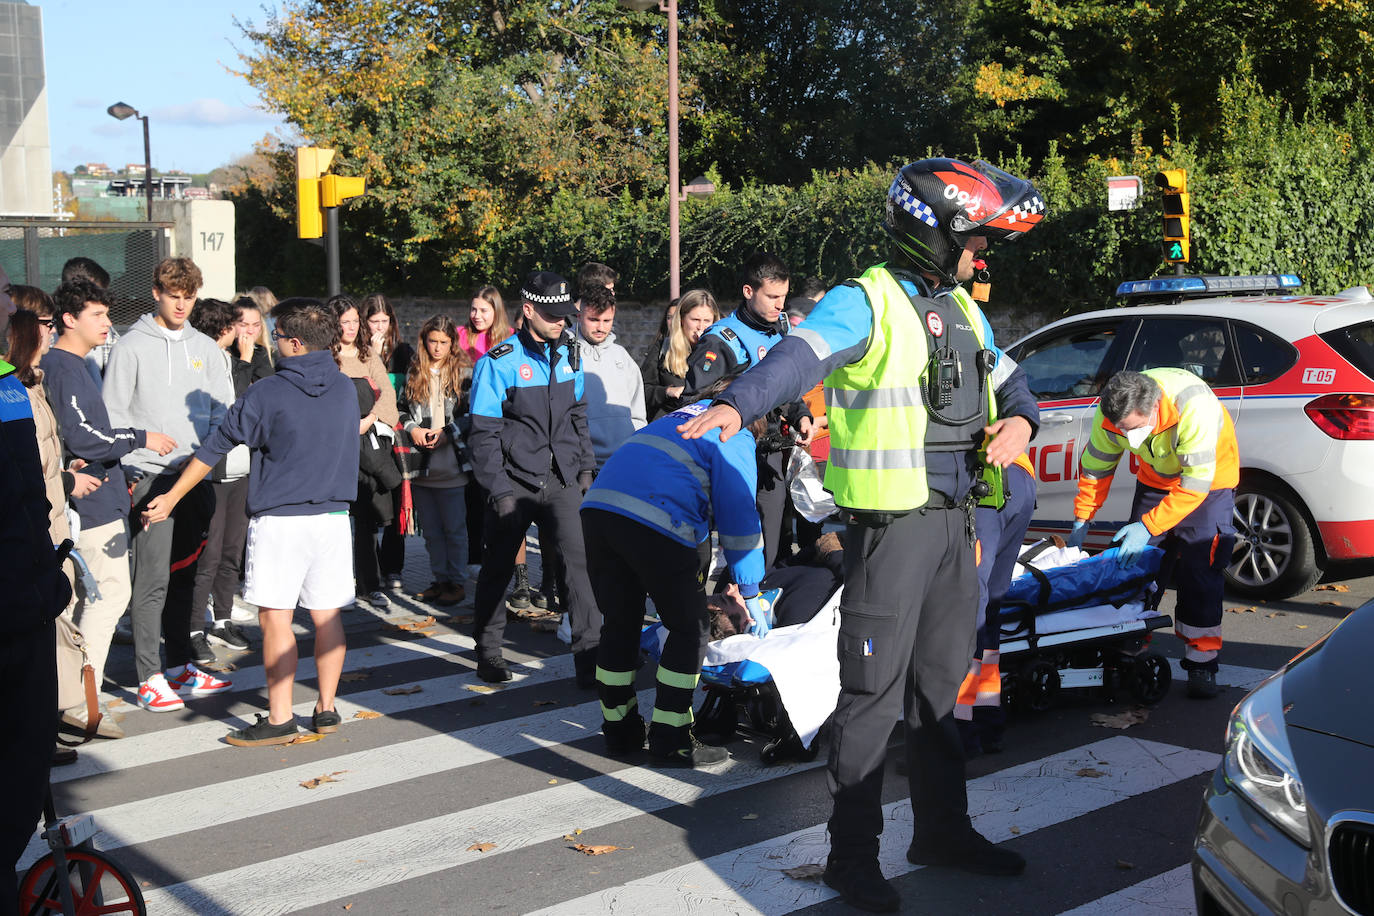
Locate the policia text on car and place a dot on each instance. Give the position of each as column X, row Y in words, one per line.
column 924, row 413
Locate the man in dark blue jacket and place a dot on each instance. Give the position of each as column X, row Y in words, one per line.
column 302, row 427
column 532, row 453
column 35, row 592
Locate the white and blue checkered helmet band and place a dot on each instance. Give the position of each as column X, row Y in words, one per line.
column 917, row 208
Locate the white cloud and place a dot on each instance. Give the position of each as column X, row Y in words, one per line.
column 210, row 113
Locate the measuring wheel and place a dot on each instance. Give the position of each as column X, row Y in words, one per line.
column 99, row 886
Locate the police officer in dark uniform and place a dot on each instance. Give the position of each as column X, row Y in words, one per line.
column 731, row 346
column 532, row 453
column 924, row 413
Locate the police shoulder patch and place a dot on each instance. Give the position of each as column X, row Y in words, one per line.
column 502, row 350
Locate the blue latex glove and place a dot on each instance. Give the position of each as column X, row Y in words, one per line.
column 1078, row 535
column 1132, row 541
column 761, row 623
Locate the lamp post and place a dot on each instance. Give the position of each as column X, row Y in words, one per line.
column 674, row 193
column 119, row 111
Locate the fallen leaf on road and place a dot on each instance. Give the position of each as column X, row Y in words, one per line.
column 805, row 872
column 1240, row 610
column 1301, row 626
column 1336, row 603
column 545, row 702
column 355, row 675
column 320, row 780
column 1124, row 865
column 348, row 906
column 1015, row 831
column 412, row 625
column 598, row 850
column 481, row 847
column 574, row 834
column 402, row 691
column 553, row 782
column 306, row 738
column 1276, row 614
column 750, row 817
column 1090, row 772
column 1332, row 588
column 462, row 618
column 1122, row 719
column 480, row 688
column 367, row 714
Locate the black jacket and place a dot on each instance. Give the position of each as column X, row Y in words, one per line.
column 657, row 381
column 247, row 371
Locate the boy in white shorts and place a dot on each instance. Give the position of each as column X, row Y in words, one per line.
column 302, row 427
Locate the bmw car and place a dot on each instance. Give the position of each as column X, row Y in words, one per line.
column 1296, row 373
column 1287, row 822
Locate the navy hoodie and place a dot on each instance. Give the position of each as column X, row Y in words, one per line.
column 302, row 425
column 87, row 433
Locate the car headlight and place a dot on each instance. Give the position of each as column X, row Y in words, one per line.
column 1259, row 762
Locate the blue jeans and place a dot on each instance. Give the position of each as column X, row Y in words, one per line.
column 442, row 516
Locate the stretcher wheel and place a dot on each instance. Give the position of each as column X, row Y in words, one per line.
column 789, row 748
column 1038, row 685
column 99, row 885
column 1151, row 680
column 718, row 718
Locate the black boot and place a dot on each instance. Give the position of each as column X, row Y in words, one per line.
column 862, row 885
column 967, row 850
column 519, row 597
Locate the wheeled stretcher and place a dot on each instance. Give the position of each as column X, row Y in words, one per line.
column 1071, row 621
column 786, row 683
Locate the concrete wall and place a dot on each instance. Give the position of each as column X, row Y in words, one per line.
column 204, row 233
column 25, row 151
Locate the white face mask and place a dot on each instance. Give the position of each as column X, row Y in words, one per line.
column 1135, row 438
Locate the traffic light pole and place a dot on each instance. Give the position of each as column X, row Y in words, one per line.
column 331, row 248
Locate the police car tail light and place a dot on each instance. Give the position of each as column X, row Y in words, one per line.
column 1343, row 416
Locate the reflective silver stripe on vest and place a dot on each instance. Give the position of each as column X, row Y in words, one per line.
column 1109, row 457
column 680, row 455
column 1002, row 371
column 861, row 459
column 870, row 398
column 1090, row 474
column 1193, row 459
column 640, row 509
column 741, row 542
column 1187, row 394
column 1117, row 438
column 813, row 340
column 1197, row 485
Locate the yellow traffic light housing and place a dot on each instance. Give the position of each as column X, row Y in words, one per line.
column 311, row 163
column 335, row 189
column 1174, row 184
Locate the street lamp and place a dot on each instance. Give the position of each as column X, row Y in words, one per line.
column 674, row 196
column 119, row 111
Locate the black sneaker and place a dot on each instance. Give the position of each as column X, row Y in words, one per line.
column 493, row 669
column 229, row 634
column 263, row 732
column 1202, row 684
column 694, row 755
column 624, row 738
column 201, row 653
column 324, row 721
column 393, row 582
column 971, row 852
column 862, row 885
column 377, row 599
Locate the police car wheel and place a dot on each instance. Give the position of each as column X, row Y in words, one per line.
column 1275, row 554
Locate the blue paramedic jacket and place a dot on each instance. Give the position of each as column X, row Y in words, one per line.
column 529, row 421
column 678, row 486
column 836, row 334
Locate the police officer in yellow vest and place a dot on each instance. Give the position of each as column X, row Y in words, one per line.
column 913, row 384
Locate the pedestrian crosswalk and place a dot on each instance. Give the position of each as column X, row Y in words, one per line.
column 445, row 795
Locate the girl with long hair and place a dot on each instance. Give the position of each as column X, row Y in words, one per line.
column 433, row 411
column 384, row 333
column 665, row 371
column 487, row 324
column 352, row 351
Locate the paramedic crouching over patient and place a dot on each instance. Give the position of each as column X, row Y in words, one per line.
column 913, row 383
column 1185, row 491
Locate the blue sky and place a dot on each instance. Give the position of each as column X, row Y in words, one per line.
column 167, row 59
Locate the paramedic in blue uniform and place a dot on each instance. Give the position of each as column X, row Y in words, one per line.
column 739, row 341
column 532, row 453
column 913, row 386
column 647, row 521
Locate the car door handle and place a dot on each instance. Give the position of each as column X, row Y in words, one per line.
column 1056, row 419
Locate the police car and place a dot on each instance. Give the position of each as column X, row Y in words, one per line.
column 1295, row 371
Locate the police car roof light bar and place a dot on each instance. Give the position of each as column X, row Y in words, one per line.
column 1215, row 285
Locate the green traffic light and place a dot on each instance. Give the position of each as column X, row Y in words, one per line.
column 1175, row 251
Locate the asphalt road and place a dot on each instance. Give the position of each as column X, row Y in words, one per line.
column 455, row 798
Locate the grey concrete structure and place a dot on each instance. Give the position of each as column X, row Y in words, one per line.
column 25, row 150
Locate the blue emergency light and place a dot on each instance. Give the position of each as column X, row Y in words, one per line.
column 1194, row 286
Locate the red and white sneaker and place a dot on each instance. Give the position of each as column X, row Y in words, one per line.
column 157, row 695
column 199, row 683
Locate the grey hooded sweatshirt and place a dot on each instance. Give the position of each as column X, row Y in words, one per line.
column 172, row 382
column 614, row 392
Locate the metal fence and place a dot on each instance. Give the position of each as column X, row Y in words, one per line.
column 33, row 252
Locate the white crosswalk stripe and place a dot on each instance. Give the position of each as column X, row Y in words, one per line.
column 374, row 844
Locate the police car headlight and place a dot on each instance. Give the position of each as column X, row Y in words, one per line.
column 1259, row 761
